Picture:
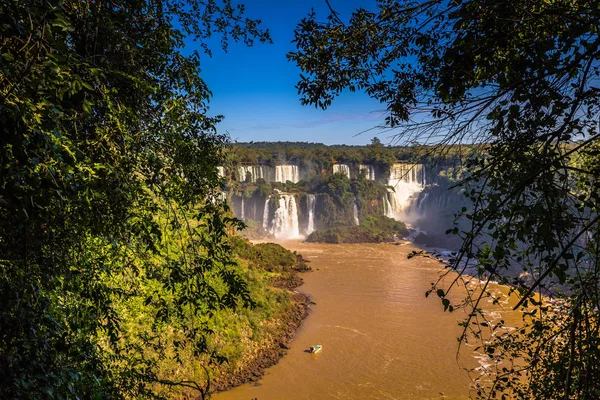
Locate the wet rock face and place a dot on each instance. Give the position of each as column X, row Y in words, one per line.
column 428, row 240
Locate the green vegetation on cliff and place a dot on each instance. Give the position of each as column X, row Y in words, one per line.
column 373, row 229
column 116, row 276
column 334, row 198
column 320, row 157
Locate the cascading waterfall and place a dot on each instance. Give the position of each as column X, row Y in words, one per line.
column 341, row 169
column 243, row 216
column 256, row 172
column 370, row 171
column 421, row 202
column 410, row 173
column 285, row 218
column 387, row 208
column 284, row 173
column 266, row 211
column 406, row 181
column 311, row 213
column 355, row 213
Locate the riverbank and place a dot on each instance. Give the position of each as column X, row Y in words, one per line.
column 273, row 348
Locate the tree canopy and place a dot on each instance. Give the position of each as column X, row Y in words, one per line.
column 107, row 155
column 522, row 79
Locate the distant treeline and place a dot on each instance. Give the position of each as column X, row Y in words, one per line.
column 323, row 156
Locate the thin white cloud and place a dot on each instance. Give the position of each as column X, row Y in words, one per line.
column 331, row 118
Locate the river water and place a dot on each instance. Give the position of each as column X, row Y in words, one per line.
column 382, row 339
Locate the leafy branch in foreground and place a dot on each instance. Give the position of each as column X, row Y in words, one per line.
column 106, row 152
column 520, row 78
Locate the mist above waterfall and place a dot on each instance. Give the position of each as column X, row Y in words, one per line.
column 433, row 212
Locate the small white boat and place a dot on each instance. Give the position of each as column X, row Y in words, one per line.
column 315, row 349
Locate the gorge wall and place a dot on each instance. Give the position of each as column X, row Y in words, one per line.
column 289, row 189
column 277, row 198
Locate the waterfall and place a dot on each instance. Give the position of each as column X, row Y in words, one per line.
column 221, row 171
column 281, row 173
column 311, row 214
column 387, row 208
column 409, row 173
column 285, row 219
column 284, row 173
column 256, row 172
column 265, row 223
column 355, row 215
column 341, row 169
column 243, row 217
column 421, row 202
column 370, row 171
column 406, row 181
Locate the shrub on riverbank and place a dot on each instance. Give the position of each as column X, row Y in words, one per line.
column 236, row 337
column 373, row 229
column 253, row 338
column 271, row 257
column 253, row 230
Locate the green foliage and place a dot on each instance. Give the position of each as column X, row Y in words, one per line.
column 336, row 203
column 108, row 195
column 367, row 192
column 318, row 158
column 520, row 77
column 234, row 332
column 253, row 230
column 335, row 193
column 374, row 229
column 384, row 224
column 270, row 257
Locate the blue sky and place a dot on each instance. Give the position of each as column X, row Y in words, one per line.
column 254, row 87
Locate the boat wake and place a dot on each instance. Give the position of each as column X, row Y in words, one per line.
column 346, row 329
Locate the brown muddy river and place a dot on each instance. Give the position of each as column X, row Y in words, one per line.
column 382, row 339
